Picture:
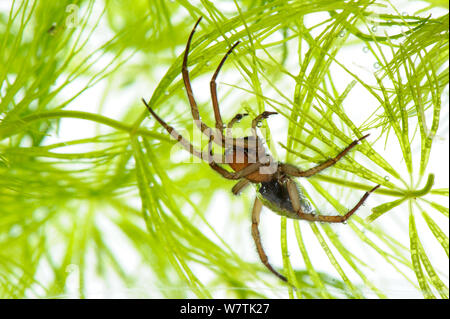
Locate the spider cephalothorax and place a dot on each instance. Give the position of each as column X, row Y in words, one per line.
column 252, row 164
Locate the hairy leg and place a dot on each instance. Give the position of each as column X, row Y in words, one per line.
column 184, row 142
column 187, row 83
column 256, row 212
column 295, row 171
column 213, row 87
column 294, row 197
column 239, row 186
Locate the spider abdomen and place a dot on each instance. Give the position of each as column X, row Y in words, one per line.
column 275, row 196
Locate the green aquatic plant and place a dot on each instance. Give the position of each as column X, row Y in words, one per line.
column 95, row 200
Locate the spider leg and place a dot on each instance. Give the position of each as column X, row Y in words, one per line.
column 295, row 171
column 184, row 142
column 213, row 87
column 239, row 186
column 294, row 197
column 256, row 212
column 187, row 83
column 250, row 169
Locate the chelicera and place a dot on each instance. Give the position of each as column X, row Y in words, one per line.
column 252, row 164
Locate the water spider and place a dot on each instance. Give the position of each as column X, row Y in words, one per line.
column 252, row 164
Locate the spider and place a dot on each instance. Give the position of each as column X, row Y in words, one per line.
column 251, row 164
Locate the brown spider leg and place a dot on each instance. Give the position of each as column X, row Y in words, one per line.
column 251, row 168
column 256, row 212
column 239, row 186
column 294, row 197
column 259, row 118
column 213, row 87
column 295, row 171
column 205, row 129
column 185, row 143
column 187, row 83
